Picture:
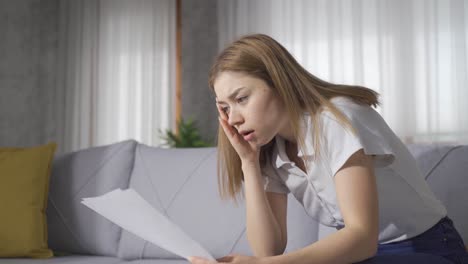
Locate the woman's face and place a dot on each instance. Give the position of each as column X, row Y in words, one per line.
column 250, row 105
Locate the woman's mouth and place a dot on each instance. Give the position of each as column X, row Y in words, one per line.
column 248, row 135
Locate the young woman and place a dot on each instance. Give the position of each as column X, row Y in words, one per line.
column 283, row 130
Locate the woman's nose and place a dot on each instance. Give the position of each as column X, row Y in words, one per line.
column 234, row 118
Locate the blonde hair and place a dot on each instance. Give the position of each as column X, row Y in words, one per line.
column 260, row 56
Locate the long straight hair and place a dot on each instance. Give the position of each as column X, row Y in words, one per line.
column 261, row 56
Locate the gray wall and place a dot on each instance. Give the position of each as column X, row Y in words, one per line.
column 28, row 50
column 28, row 33
column 199, row 47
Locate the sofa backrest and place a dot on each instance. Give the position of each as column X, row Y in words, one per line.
column 72, row 227
column 182, row 184
column 445, row 168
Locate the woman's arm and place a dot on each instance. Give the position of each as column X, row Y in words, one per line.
column 357, row 197
column 266, row 226
column 266, row 215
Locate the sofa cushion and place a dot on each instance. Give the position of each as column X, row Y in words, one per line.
column 81, row 259
column 445, row 169
column 73, row 227
column 182, row 184
column 24, row 185
column 73, row 259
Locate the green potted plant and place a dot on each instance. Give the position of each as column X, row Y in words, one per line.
column 188, row 136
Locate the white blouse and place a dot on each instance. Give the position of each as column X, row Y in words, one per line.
column 407, row 206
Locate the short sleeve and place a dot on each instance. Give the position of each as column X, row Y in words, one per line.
column 371, row 134
column 272, row 181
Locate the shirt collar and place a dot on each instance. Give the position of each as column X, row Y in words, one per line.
column 279, row 153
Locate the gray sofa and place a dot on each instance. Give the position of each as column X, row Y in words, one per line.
column 182, row 184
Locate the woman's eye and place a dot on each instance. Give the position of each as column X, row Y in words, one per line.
column 225, row 109
column 242, row 99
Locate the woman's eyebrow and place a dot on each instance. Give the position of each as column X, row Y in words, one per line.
column 232, row 96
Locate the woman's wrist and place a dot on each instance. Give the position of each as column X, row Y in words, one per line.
column 249, row 165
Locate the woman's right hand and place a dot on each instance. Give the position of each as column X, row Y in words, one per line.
column 247, row 151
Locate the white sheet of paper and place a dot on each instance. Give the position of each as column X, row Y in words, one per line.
column 127, row 209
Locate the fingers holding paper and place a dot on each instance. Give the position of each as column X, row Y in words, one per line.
column 235, row 259
column 199, row 260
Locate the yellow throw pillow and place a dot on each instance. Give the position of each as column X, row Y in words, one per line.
column 24, row 186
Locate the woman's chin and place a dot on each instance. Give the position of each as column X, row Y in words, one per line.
column 256, row 142
column 261, row 143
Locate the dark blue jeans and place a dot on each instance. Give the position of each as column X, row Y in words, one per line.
column 439, row 245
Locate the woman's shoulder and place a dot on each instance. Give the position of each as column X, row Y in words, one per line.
column 342, row 100
column 350, row 108
column 347, row 103
column 363, row 118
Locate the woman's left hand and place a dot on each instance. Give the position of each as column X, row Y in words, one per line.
column 237, row 259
